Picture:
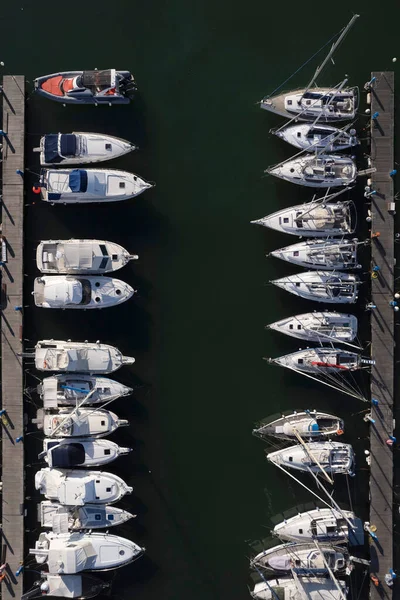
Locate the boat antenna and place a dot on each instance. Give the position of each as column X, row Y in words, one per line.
column 335, row 45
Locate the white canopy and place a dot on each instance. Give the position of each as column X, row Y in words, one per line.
column 71, row 557
column 63, row 586
column 78, row 255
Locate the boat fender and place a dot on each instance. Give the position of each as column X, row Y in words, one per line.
column 340, row 432
column 36, row 189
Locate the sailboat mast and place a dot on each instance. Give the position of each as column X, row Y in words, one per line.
column 332, row 50
column 77, row 407
column 311, row 455
column 332, row 576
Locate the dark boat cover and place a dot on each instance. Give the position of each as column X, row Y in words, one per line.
column 97, row 78
column 68, row 455
column 78, row 180
column 67, row 143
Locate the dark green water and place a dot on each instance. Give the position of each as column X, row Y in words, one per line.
column 197, row 328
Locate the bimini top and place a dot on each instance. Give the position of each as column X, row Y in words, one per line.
column 67, row 455
column 58, row 146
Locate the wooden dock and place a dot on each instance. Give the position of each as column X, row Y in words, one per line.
column 382, row 330
column 13, row 97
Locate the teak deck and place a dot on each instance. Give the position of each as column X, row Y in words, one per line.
column 13, row 97
column 382, row 331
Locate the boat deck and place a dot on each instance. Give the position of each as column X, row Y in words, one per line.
column 13, row 97
column 382, row 331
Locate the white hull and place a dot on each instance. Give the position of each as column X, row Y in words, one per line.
column 80, row 452
column 68, row 422
column 288, row 589
column 81, row 148
column 322, row 286
column 323, row 525
column 304, row 559
column 87, row 357
column 327, row 171
column 81, row 257
column 319, row 327
column 321, row 254
column 320, row 360
column 72, row 553
column 76, row 488
column 68, row 390
column 90, row 516
column 312, row 219
column 307, row 105
column 69, row 186
column 309, row 424
column 76, row 292
column 312, row 138
column 335, row 458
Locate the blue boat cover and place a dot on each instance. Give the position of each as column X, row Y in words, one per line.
column 68, row 144
column 78, row 180
column 68, row 455
column 51, row 148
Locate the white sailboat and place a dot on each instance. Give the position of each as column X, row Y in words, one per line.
column 332, row 457
column 68, row 422
column 319, row 327
column 78, row 147
column 70, row 389
column 76, row 488
column 330, row 254
column 313, row 137
column 89, row 357
column 70, row 553
column 314, row 360
column 310, row 588
column 324, row 525
column 81, row 587
column 81, row 256
column 322, row 286
column 84, row 293
column 62, row 518
column 319, row 218
column 305, row 559
column 323, row 171
column 80, row 452
column 330, row 104
column 69, row 186
column 310, row 424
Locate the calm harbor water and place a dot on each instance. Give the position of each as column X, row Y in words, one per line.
column 202, row 484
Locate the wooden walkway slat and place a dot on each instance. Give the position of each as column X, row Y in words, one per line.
column 11, row 346
column 382, row 331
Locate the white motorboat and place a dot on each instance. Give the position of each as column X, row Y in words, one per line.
column 324, row 171
column 321, row 254
column 322, row 286
column 72, row 553
column 287, row 588
column 304, row 559
column 80, row 422
column 100, row 86
column 81, row 256
column 73, row 291
column 69, row 186
column 59, row 149
column 334, row 457
column 313, row 137
column 324, row 525
column 312, row 102
column 81, row 587
column 309, row 424
column 62, row 518
column 76, row 488
column 313, row 219
column 89, row 357
column 80, row 452
column 70, row 390
column 326, row 359
column 319, row 327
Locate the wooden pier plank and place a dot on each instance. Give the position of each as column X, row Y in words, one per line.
column 382, row 331
column 11, row 346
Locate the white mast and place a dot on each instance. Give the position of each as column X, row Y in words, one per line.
column 332, row 576
column 332, row 50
